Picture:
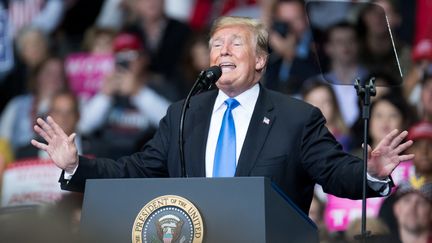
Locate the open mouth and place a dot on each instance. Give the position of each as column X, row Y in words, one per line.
column 227, row 66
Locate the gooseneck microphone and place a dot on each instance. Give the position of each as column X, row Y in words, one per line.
column 205, row 80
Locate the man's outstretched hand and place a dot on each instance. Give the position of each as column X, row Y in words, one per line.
column 386, row 156
column 59, row 146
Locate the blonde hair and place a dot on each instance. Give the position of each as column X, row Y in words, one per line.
column 256, row 27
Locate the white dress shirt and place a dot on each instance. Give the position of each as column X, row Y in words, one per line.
column 242, row 116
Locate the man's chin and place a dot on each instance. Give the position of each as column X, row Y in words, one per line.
column 224, row 82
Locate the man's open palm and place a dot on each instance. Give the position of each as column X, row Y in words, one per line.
column 60, row 147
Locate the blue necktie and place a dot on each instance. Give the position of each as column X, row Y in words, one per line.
column 225, row 155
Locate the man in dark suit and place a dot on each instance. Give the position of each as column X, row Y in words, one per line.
column 275, row 136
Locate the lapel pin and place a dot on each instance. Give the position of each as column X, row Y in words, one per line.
column 266, row 120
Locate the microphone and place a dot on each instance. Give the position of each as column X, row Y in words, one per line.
column 207, row 78
column 204, row 81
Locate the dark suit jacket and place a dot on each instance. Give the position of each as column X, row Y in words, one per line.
column 295, row 150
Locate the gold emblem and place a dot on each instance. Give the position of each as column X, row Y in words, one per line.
column 168, row 219
column 417, row 182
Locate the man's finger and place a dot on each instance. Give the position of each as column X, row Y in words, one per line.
column 57, row 129
column 71, row 138
column 406, row 157
column 47, row 128
column 388, row 138
column 42, row 133
column 39, row 145
column 403, row 147
column 398, row 139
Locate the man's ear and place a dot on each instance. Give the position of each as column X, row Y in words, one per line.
column 260, row 62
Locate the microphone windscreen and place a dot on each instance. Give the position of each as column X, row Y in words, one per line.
column 213, row 73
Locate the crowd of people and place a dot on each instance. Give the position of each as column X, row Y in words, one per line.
column 108, row 71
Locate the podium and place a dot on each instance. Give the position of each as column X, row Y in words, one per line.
column 239, row 209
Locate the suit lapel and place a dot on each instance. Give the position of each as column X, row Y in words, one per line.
column 199, row 116
column 259, row 127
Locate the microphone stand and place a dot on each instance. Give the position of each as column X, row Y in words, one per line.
column 364, row 92
column 185, row 106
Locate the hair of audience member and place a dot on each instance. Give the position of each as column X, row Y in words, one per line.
column 339, row 25
column 258, row 29
column 92, row 33
column 310, row 86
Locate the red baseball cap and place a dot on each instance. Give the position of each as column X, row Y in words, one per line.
column 422, row 130
column 126, row 42
column 422, row 50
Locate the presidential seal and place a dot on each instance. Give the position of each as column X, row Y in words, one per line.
column 168, row 219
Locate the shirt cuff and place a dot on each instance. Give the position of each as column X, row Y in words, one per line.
column 67, row 176
column 380, row 186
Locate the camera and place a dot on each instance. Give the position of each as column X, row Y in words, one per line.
column 281, row 27
column 123, row 59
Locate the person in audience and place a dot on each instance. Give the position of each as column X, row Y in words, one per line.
column 19, row 116
column 321, row 95
column 98, row 40
column 384, row 86
column 342, row 48
column 390, row 111
column 32, row 47
column 420, row 172
column 421, row 134
column 413, row 211
column 422, row 65
column 426, row 96
column 87, row 68
column 195, row 60
column 64, row 108
column 164, row 38
column 379, row 231
column 124, row 114
column 291, row 61
column 377, row 51
column 387, row 113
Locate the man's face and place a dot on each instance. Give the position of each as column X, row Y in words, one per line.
column 422, row 148
column 321, row 98
column 233, row 49
column 385, row 117
column 342, row 46
column 413, row 213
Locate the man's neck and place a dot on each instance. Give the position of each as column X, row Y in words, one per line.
column 345, row 73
